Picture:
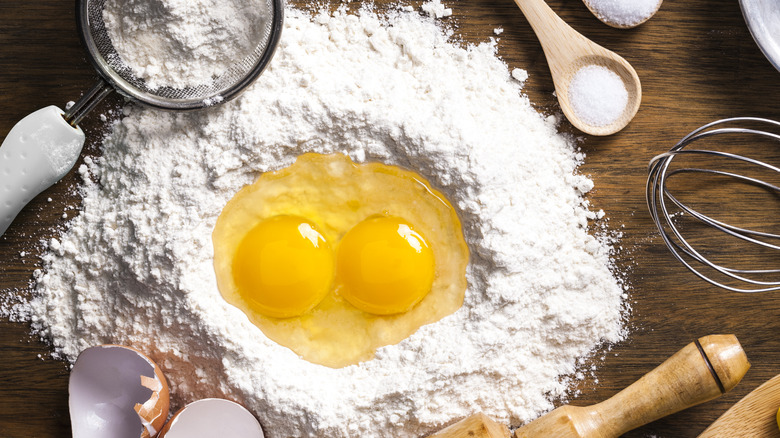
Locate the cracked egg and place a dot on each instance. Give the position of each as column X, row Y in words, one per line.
column 116, row 391
column 334, row 259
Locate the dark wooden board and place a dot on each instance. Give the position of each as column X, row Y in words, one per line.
column 697, row 63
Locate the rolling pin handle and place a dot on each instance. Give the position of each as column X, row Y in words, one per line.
column 699, row 372
column 690, row 377
column 726, row 359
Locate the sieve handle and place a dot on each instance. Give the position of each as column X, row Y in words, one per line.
column 88, row 102
column 38, row 151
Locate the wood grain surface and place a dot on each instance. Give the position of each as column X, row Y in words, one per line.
column 697, row 63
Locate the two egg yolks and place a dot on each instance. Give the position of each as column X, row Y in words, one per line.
column 284, row 267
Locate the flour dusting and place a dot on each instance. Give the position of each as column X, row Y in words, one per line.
column 135, row 266
column 184, row 43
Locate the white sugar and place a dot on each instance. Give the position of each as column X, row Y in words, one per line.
column 625, row 12
column 597, row 95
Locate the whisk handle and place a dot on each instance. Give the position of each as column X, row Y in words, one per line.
column 38, row 151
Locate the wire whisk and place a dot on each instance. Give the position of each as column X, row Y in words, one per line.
column 660, row 199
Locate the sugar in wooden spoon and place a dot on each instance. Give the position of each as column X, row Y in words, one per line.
column 623, row 14
column 605, row 111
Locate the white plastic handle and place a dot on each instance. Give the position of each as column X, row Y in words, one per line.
column 37, row 153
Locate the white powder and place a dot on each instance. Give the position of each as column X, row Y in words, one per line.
column 135, row 267
column 624, row 12
column 436, row 9
column 597, row 95
column 519, row 75
column 184, row 43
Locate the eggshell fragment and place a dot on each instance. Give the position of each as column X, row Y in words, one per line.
column 212, row 417
column 117, row 392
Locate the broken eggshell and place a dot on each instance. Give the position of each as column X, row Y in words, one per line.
column 213, row 417
column 117, row 392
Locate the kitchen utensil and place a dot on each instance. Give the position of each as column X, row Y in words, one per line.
column 475, row 426
column 567, row 51
column 763, row 20
column 755, row 416
column 699, row 372
column 44, row 146
column 658, row 193
column 606, row 20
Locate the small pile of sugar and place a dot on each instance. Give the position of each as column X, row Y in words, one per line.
column 184, row 43
column 624, row 12
column 597, row 95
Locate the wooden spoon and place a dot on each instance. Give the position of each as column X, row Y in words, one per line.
column 567, row 51
column 755, row 416
column 606, row 20
column 701, row 371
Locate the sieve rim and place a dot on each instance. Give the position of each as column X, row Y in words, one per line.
column 135, row 94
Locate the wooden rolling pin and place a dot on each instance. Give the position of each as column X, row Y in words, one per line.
column 755, row 416
column 701, row 371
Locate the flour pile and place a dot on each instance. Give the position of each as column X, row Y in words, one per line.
column 184, row 43
column 135, row 267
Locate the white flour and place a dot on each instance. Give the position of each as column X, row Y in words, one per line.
column 436, row 9
column 135, row 266
column 181, row 43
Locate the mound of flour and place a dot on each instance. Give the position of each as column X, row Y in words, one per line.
column 135, row 267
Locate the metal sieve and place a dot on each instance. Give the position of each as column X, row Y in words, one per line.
column 42, row 147
column 116, row 75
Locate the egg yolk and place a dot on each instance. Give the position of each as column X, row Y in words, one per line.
column 283, row 267
column 384, row 266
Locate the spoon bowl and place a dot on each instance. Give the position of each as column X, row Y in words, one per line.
column 603, row 16
column 619, row 66
column 567, row 51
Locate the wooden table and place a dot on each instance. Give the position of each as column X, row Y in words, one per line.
column 697, row 63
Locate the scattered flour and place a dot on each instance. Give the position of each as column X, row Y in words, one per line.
column 184, row 43
column 519, row 75
column 436, row 9
column 135, row 265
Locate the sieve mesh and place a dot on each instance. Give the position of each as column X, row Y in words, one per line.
column 238, row 76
